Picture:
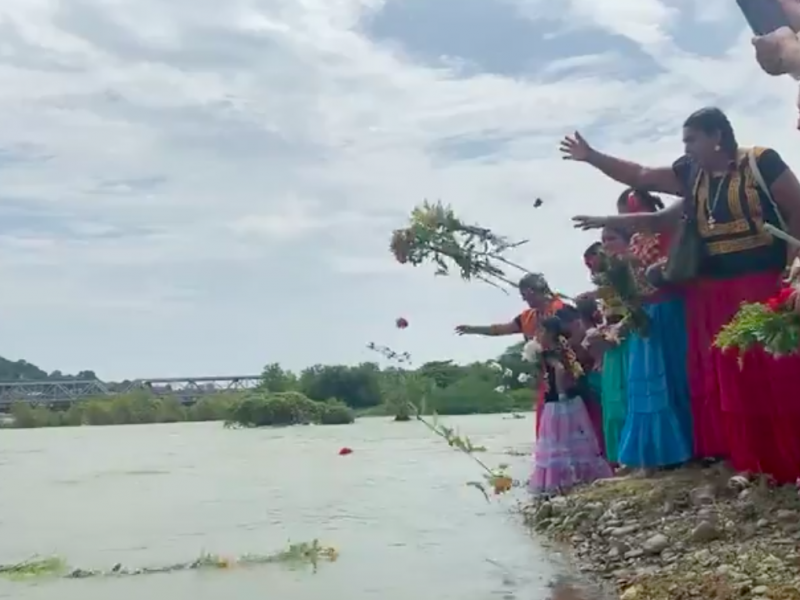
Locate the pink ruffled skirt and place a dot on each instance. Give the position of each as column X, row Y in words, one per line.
column 567, row 451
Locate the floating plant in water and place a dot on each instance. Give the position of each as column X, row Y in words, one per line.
column 295, row 555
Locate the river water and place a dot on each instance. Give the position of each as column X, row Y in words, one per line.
column 397, row 509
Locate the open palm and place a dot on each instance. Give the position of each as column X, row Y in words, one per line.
column 574, row 147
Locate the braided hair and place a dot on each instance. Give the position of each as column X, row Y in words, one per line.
column 637, row 201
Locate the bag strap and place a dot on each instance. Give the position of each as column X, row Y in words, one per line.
column 753, row 162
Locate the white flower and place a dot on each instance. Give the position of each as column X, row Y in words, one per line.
column 500, row 389
column 524, row 378
column 496, row 366
column 508, row 373
column 531, row 351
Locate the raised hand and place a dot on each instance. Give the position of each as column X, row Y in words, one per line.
column 586, row 223
column 778, row 52
column 464, row 329
column 574, row 147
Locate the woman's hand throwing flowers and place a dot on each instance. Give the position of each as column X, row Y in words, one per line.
column 574, row 147
column 586, row 223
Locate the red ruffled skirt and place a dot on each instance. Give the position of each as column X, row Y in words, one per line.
column 749, row 414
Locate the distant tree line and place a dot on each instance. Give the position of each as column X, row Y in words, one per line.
column 365, row 389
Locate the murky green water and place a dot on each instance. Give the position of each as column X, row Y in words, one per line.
column 397, row 509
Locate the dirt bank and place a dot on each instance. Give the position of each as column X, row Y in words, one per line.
column 691, row 533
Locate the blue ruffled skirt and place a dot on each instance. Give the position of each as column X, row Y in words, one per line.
column 658, row 426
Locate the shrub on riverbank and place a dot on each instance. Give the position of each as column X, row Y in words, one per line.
column 251, row 410
column 691, row 533
column 288, row 408
column 124, row 409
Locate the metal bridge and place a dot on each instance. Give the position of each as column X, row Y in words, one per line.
column 187, row 390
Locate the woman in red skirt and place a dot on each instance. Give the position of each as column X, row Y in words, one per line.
column 749, row 414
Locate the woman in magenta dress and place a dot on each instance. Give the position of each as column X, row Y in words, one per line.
column 751, row 413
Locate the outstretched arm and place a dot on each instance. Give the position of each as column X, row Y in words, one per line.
column 497, row 330
column 634, row 175
column 663, row 220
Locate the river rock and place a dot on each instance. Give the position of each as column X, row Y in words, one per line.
column 656, row 544
column 704, row 532
column 761, row 590
column 624, row 530
column 787, row 516
column 704, row 495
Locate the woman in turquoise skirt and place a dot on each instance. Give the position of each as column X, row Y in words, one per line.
column 608, row 342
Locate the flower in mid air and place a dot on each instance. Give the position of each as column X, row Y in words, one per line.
column 500, row 389
column 524, row 378
column 401, row 323
column 531, row 351
column 508, row 373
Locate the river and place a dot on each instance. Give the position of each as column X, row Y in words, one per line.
column 397, row 509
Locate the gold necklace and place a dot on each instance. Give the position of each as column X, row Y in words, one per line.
column 710, row 209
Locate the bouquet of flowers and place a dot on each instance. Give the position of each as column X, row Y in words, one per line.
column 435, row 234
column 770, row 325
column 619, row 288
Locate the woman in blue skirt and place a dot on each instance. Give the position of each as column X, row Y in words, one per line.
column 658, row 427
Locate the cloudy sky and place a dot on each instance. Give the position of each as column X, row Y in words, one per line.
column 200, row 187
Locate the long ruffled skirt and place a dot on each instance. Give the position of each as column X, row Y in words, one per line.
column 614, row 397
column 750, row 414
column 567, row 452
column 658, row 426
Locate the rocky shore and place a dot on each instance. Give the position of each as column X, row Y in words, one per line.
column 687, row 534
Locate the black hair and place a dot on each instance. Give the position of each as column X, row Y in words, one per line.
column 587, row 308
column 555, row 326
column 567, row 314
column 711, row 120
column 648, row 200
column 593, row 250
column 535, row 282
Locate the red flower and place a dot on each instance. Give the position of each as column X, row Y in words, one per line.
column 778, row 302
column 401, row 323
column 345, row 451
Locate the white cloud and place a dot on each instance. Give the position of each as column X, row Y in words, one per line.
column 218, row 182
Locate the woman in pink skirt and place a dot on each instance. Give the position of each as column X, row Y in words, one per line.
column 567, row 452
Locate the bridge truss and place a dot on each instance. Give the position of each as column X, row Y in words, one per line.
column 68, row 391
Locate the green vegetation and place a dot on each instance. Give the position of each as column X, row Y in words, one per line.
column 296, row 555
column 323, row 394
column 288, row 408
column 125, row 409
